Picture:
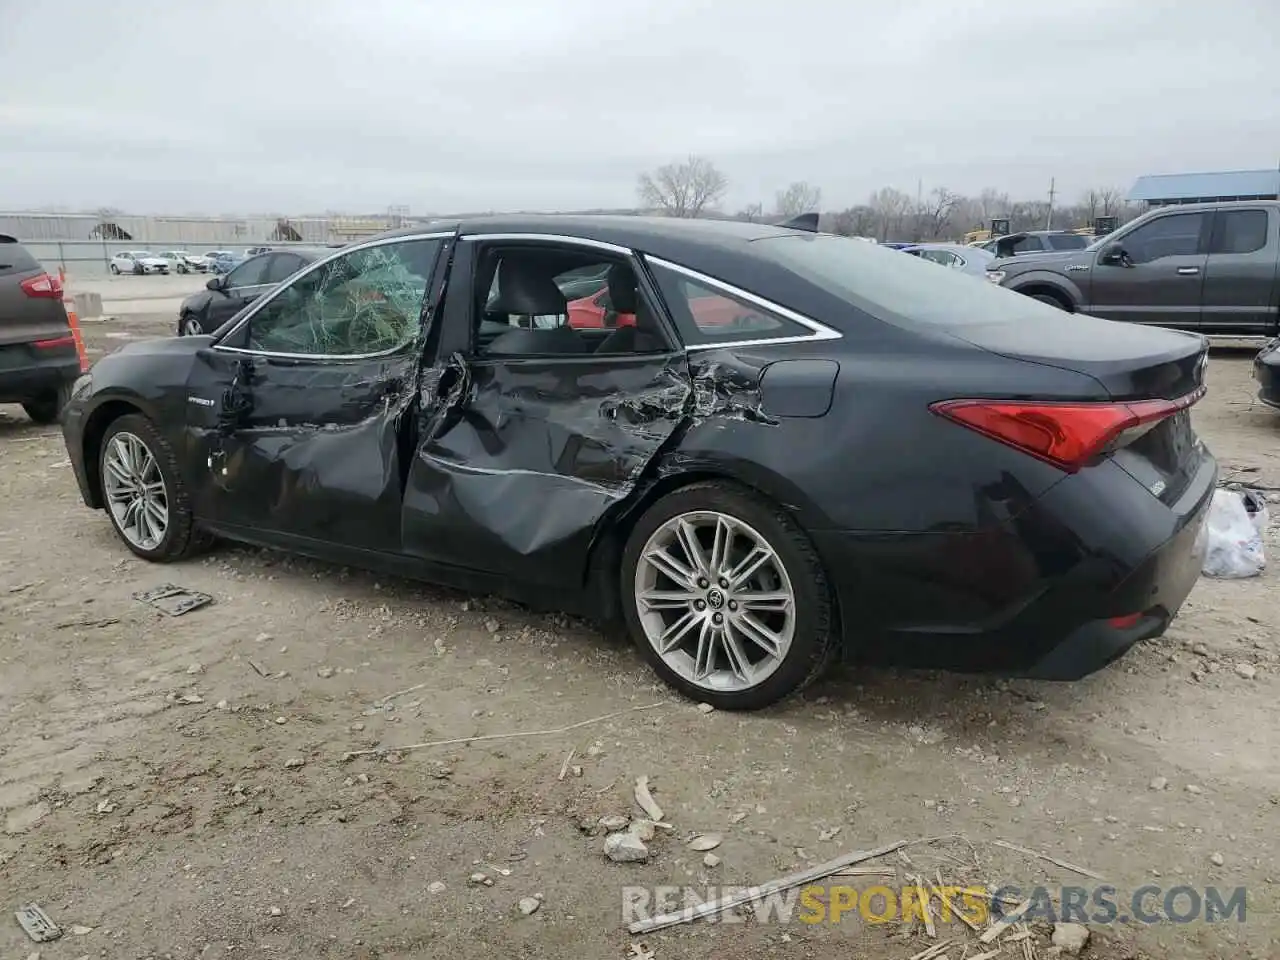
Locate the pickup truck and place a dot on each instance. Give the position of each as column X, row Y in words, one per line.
column 1209, row 268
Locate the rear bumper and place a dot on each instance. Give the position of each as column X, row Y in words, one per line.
column 1057, row 592
column 24, row 375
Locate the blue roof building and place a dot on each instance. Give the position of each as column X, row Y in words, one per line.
column 1161, row 189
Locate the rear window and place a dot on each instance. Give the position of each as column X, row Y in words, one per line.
column 1067, row 241
column 14, row 258
column 887, row 285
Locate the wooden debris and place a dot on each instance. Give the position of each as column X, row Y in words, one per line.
column 256, row 669
column 930, row 953
column 866, row 872
column 987, row 954
column 564, row 767
column 644, row 799
column 1054, row 860
column 1006, row 921
column 923, row 897
column 951, row 908
column 352, row 754
column 399, row 693
column 751, row 894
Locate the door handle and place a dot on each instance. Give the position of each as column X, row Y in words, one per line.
column 1188, row 271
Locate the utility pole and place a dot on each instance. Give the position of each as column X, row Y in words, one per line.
column 1048, row 220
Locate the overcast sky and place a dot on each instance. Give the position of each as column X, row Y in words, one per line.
column 294, row 106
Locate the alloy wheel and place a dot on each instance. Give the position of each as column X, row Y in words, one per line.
column 135, row 491
column 715, row 601
column 191, row 327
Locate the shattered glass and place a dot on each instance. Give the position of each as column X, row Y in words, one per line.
column 369, row 301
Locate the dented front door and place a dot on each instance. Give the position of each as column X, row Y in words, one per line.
column 301, row 416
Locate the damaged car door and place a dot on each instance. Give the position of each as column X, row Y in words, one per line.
column 532, row 432
column 299, row 409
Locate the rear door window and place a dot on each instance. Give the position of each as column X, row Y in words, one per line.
column 1067, row 241
column 1239, row 231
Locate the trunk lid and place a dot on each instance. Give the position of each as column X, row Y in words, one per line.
column 1129, row 361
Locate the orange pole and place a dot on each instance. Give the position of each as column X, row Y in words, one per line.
column 74, row 321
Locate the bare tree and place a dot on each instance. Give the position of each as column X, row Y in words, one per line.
column 751, row 213
column 891, row 207
column 859, row 221
column 800, row 197
column 683, row 189
column 1102, row 202
column 934, row 215
column 993, row 203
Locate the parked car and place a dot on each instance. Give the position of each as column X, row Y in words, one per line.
column 139, row 262
column 39, row 358
column 224, row 261
column 1209, row 268
column 180, row 261
column 1035, row 241
column 227, row 294
column 954, row 255
column 889, row 460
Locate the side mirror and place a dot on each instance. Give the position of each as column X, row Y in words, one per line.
column 215, row 283
column 1115, row 255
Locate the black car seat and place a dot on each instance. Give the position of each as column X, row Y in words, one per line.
column 624, row 297
column 527, row 288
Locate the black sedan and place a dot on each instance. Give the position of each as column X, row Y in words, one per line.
column 228, row 293
column 786, row 447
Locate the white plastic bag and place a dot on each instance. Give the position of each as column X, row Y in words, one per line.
column 1236, row 525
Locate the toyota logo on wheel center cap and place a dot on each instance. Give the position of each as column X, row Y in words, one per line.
column 715, row 599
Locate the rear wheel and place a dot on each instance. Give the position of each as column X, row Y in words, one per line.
column 47, row 408
column 726, row 597
column 143, row 491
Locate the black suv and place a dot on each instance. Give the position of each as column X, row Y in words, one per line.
column 39, row 357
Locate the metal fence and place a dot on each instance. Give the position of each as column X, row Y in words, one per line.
column 92, row 258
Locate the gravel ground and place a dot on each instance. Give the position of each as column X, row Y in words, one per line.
column 178, row 787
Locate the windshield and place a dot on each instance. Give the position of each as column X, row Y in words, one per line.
column 886, row 284
column 1067, row 241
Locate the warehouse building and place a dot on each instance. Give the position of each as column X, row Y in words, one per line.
column 1160, row 190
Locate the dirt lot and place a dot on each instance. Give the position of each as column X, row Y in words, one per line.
column 230, row 825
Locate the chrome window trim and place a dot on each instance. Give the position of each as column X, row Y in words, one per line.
column 283, row 285
column 554, row 238
column 820, row 330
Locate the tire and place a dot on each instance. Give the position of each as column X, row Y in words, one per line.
column 179, row 537
column 1050, row 299
column 115, row 270
column 794, row 569
column 190, row 326
column 47, row 409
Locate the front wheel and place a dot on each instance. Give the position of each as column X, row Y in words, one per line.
column 727, row 598
column 1050, row 299
column 191, row 326
column 143, row 491
column 115, row 270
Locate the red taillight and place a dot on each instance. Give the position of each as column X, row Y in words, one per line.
column 67, row 341
column 45, row 285
column 1067, row 435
